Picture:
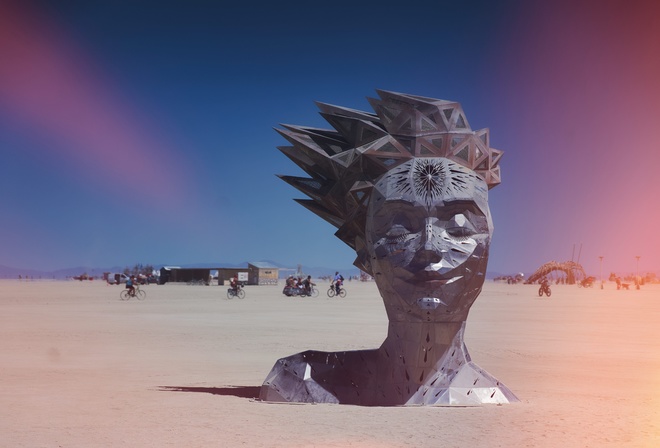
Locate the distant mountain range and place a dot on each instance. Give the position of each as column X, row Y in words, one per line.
column 7, row 272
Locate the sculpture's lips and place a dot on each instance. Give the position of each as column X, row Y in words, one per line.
column 433, row 277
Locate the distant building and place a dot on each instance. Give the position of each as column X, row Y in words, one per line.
column 255, row 274
column 183, row 275
column 262, row 274
column 225, row 275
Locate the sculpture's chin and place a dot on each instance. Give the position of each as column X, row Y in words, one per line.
column 432, row 300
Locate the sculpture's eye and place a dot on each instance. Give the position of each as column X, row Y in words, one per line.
column 396, row 234
column 459, row 228
column 460, row 233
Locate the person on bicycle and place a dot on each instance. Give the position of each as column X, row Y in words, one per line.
column 307, row 285
column 234, row 283
column 130, row 285
column 338, row 281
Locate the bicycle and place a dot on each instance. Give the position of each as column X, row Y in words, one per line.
column 313, row 292
column 238, row 293
column 544, row 289
column 332, row 292
column 138, row 294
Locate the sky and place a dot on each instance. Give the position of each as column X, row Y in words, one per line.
column 143, row 132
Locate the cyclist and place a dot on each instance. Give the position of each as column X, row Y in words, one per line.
column 307, row 285
column 130, row 285
column 338, row 281
column 234, row 283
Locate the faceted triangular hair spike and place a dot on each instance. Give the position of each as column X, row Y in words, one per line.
column 312, row 162
column 461, row 122
column 385, row 112
column 393, row 97
column 428, row 125
column 404, row 98
column 314, row 188
column 344, row 125
column 321, row 211
column 355, row 131
column 463, row 153
column 330, row 109
column 435, row 102
column 495, row 156
column 361, row 191
column 329, row 141
column 482, row 166
column 484, row 136
column 495, row 177
column 345, row 158
column 299, row 139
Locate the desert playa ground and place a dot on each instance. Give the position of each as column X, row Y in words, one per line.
column 80, row 368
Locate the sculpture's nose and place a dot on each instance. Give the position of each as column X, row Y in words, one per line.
column 428, row 237
column 429, row 250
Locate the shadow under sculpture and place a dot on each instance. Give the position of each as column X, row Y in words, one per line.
column 408, row 190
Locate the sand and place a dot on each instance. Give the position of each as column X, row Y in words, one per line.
column 80, row 368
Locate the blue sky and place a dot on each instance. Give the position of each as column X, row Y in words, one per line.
column 142, row 132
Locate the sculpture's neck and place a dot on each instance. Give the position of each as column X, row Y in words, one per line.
column 425, row 343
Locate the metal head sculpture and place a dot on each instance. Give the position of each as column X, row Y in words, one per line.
column 408, row 190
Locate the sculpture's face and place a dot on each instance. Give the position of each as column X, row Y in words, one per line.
column 428, row 231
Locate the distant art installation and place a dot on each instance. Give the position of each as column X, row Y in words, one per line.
column 407, row 188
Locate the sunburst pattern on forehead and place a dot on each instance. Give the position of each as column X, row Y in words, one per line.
column 344, row 162
column 428, row 180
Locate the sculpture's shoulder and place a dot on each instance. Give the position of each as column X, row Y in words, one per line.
column 474, row 385
column 314, row 377
column 362, row 377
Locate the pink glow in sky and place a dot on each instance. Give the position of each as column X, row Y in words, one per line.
column 581, row 86
column 49, row 87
